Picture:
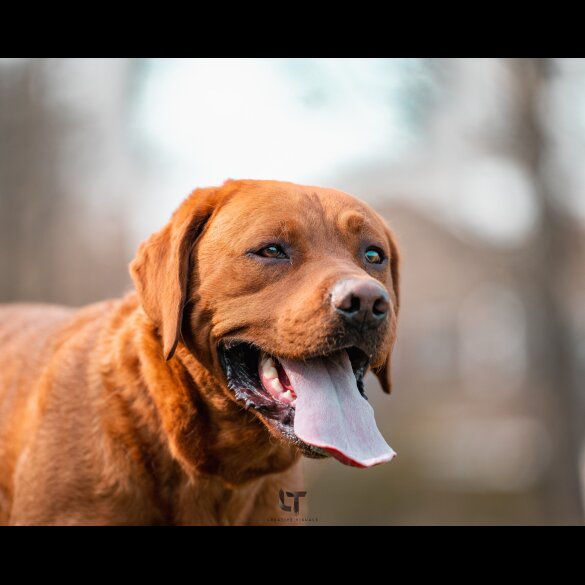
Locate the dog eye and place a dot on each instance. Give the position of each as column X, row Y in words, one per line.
column 272, row 251
column 374, row 256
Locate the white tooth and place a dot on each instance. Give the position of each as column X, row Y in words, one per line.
column 269, row 372
column 276, row 385
column 287, row 395
column 268, row 367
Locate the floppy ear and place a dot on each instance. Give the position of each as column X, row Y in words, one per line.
column 161, row 268
column 383, row 372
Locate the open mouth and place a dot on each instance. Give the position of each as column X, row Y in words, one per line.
column 317, row 403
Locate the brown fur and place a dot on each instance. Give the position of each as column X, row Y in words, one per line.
column 119, row 413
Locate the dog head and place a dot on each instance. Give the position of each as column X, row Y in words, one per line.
column 287, row 294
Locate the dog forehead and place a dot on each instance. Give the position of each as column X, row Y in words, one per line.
column 272, row 204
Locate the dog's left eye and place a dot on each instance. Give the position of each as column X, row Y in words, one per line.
column 374, row 256
column 272, row 251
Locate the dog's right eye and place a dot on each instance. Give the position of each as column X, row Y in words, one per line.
column 272, row 251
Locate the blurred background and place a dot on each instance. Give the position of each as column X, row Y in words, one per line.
column 477, row 164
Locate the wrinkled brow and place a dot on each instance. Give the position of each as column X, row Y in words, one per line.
column 284, row 229
column 353, row 221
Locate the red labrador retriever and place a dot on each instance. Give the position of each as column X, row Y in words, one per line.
column 258, row 309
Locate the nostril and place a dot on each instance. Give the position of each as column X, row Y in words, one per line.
column 380, row 307
column 354, row 306
column 349, row 304
column 345, row 300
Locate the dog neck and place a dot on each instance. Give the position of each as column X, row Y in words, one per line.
column 206, row 431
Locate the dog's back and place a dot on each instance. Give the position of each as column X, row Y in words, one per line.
column 26, row 336
column 31, row 336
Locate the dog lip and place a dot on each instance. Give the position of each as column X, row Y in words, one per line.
column 228, row 343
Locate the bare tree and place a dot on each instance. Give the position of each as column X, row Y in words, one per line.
column 30, row 190
column 54, row 247
column 547, row 258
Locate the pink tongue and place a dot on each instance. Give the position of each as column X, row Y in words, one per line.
column 332, row 414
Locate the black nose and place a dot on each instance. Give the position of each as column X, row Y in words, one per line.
column 360, row 300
